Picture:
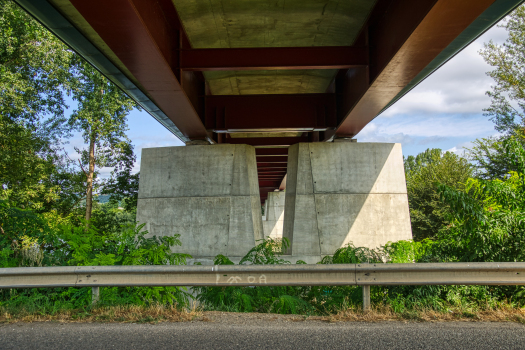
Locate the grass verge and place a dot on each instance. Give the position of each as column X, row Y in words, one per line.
column 127, row 313
column 504, row 313
column 159, row 313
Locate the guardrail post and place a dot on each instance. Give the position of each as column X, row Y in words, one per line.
column 95, row 295
column 366, row 298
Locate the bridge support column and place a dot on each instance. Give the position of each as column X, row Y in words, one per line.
column 207, row 194
column 343, row 192
column 274, row 215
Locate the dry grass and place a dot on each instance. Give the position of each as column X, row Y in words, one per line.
column 385, row 313
column 138, row 314
column 155, row 314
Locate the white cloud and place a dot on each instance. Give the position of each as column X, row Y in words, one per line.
column 444, row 111
column 458, row 87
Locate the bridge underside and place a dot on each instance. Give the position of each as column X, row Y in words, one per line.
column 280, row 89
column 267, row 74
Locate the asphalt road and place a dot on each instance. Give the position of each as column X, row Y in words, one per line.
column 293, row 335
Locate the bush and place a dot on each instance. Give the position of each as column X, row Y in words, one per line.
column 27, row 239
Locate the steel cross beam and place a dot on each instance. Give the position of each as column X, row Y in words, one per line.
column 273, row 58
column 306, row 112
column 269, row 141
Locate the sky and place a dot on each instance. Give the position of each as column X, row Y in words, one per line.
column 445, row 111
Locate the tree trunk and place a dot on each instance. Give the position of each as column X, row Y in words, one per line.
column 90, row 174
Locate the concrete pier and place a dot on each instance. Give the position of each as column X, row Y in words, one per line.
column 273, row 219
column 343, row 192
column 208, row 194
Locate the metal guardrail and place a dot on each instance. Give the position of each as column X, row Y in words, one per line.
column 266, row 275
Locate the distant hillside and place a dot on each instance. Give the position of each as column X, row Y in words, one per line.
column 103, row 198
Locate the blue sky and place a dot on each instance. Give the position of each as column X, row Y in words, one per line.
column 444, row 111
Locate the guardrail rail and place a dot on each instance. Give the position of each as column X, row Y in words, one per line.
column 366, row 275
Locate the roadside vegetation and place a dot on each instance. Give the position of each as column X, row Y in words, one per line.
column 464, row 208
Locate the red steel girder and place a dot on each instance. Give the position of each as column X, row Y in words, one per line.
column 271, row 151
column 274, row 58
column 268, row 141
column 269, row 183
column 281, row 169
column 302, row 112
column 272, row 165
column 403, row 40
column 144, row 40
column 276, row 159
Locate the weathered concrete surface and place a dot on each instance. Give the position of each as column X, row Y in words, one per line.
column 262, row 23
column 273, row 219
column 343, row 192
column 207, row 194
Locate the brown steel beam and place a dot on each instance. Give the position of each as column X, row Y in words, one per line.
column 269, row 183
column 306, row 112
column 140, row 35
column 276, row 159
column 269, row 141
column 274, row 58
column 271, row 165
column 403, row 40
column 271, row 151
column 275, row 168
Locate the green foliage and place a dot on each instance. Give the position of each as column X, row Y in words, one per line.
column 265, row 253
column 508, row 93
column 423, row 173
column 34, row 67
column 123, row 185
column 489, row 158
column 256, row 299
column 29, row 239
column 488, row 217
column 353, row 255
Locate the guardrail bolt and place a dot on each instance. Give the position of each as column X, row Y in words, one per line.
column 95, row 295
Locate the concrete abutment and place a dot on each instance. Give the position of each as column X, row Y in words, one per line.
column 273, row 219
column 344, row 192
column 209, row 194
column 336, row 193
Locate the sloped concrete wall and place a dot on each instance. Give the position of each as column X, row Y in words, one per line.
column 273, row 219
column 344, row 192
column 207, row 194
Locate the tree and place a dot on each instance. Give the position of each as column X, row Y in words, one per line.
column 423, row 173
column 25, row 167
column 489, row 158
column 34, row 73
column 101, row 118
column 507, row 108
column 123, row 185
column 488, row 216
column 34, row 67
